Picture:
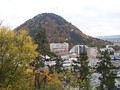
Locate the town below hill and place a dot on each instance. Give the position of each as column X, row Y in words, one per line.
column 62, row 50
column 71, row 58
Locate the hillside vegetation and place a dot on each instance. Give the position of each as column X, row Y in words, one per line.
column 59, row 30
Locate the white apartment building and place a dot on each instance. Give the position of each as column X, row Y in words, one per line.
column 59, row 47
column 110, row 49
column 78, row 48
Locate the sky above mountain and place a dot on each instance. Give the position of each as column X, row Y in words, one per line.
column 93, row 17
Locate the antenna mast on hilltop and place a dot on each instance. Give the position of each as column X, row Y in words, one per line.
column 56, row 10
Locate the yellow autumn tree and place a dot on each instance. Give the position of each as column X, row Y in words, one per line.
column 16, row 52
column 46, row 81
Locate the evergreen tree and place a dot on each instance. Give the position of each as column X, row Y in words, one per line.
column 59, row 64
column 42, row 41
column 104, row 68
column 43, row 49
column 82, row 69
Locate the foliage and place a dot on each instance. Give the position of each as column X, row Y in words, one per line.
column 42, row 41
column 16, row 52
column 104, row 68
column 46, row 81
column 54, row 84
column 59, row 64
column 39, row 62
column 82, row 70
column 116, row 47
column 51, row 69
column 68, row 79
column 76, row 37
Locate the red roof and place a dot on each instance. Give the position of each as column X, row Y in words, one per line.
column 118, row 51
column 92, row 57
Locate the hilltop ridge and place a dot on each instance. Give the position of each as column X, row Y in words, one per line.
column 59, row 30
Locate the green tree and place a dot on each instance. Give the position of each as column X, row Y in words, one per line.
column 43, row 49
column 16, row 52
column 116, row 48
column 68, row 79
column 42, row 41
column 104, row 68
column 59, row 64
column 82, row 70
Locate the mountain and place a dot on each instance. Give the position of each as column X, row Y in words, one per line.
column 59, row 30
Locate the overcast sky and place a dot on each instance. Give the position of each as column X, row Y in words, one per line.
column 93, row 17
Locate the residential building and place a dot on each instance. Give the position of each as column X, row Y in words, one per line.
column 117, row 53
column 77, row 49
column 59, row 47
column 110, row 50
